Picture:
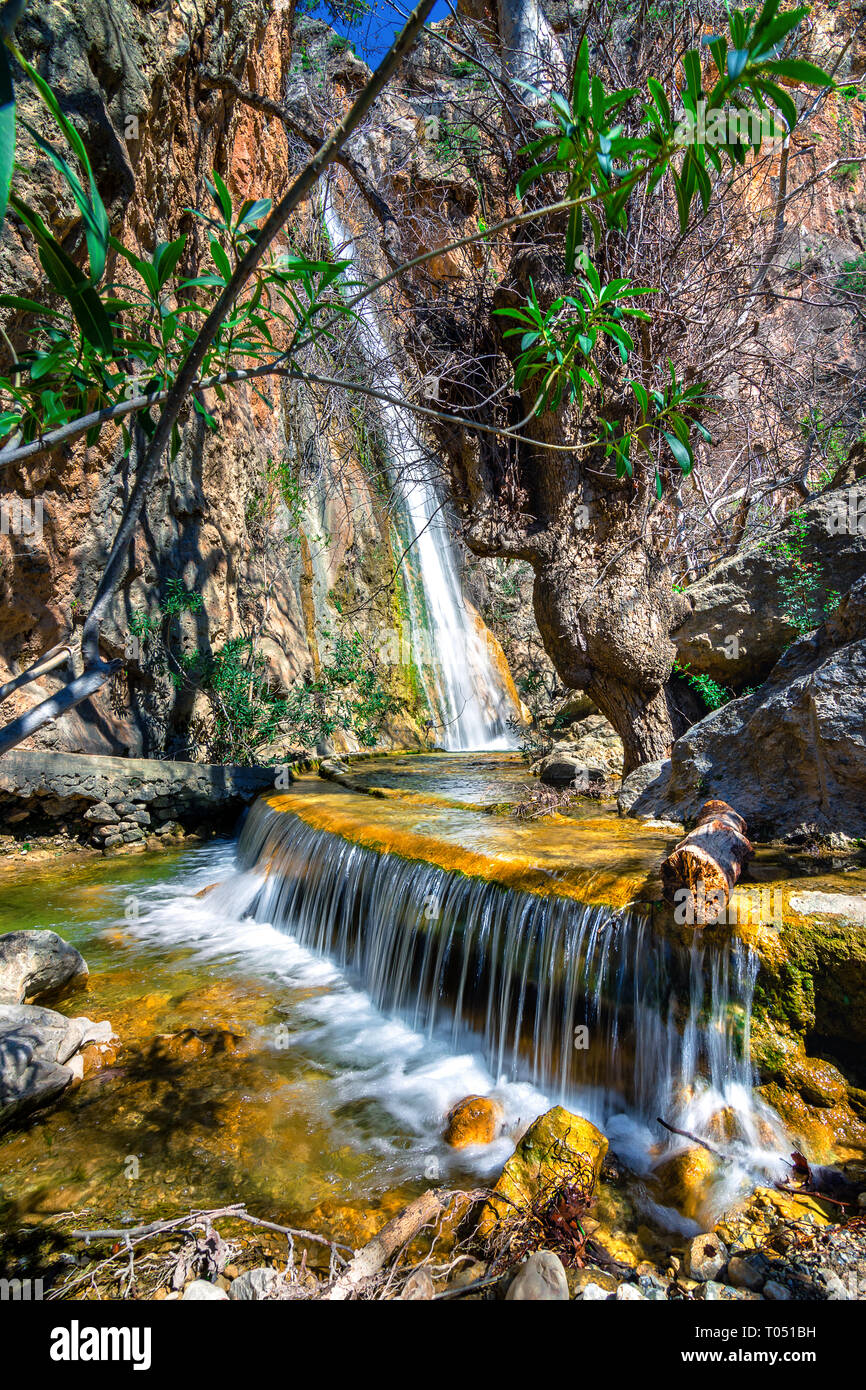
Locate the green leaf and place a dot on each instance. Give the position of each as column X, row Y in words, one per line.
column 737, row 60
column 68, row 280
column 781, row 99
column 98, row 232
column 221, row 260
column 680, row 451
column 658, row 485
column 95, row 226
column 7, row 129
column 253, row 211
column 221, row 196
column 642, row 397
column 798, row 70
column 30, row 306
column 166, row 257
column 659, row 96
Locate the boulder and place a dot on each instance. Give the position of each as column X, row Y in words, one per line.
column 575, row 707
column 685, row 1179
column 36, row 962
column 744, row 597
column 747, row 1273
column 547, row 1152
column 592, row 754
column 706, row 1257
column 540, row 1279
column 567, row 768
column 776, row 1292
column 792, row 756
column 38, row 1052
column 473, row 1120
column 629, row 1293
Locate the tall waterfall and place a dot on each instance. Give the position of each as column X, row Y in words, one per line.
column 589, row 1005
column 464, row 688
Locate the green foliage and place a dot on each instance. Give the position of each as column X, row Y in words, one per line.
column 586, row 147
column 853, row 277
column 245, row 711
column 456, row 142
column 806, row 599
column 558, row 342
column 105, row 343
column 712, row 694
column 349, row 693
column 833, row 441
column 7, row 129
column 279, row 484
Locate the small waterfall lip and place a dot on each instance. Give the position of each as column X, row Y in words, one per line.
column 513, row 976
column 473, row 708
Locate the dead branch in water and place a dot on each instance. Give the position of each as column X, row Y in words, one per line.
column 395, row 1237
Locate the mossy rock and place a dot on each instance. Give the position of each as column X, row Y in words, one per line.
column 547, row 1153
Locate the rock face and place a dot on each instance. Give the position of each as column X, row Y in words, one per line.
column 744, row 598
column 38, row 1049
column 34, row 963
column 143, row 87
column 548, row 1151
column 792, row 757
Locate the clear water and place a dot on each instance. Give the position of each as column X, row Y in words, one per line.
column 369, row 992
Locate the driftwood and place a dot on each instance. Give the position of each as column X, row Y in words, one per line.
column 704, row 867
column 378, row 1251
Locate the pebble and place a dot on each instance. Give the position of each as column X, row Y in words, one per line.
column 593, row 1293
column 776, row 1292
column 255, row 1284
column 201, row 1291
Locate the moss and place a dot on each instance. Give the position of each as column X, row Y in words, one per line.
column 786, row 994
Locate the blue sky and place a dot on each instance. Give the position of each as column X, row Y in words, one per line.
column 373, row 32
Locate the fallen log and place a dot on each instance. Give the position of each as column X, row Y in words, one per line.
column 699, row 875
column 378, row 1251
column 398, row 1232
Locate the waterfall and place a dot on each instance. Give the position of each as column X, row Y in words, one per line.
column 586, row 1003
column 469, row 701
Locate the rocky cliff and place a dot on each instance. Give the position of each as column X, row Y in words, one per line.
column 280, row 520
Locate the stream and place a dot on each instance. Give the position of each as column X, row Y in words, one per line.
column 367, row 958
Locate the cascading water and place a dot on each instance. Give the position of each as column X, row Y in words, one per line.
column 464, row 688
column 520, row 976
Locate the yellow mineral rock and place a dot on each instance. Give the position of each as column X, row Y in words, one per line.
column 473, row 1120
column 549, row 1150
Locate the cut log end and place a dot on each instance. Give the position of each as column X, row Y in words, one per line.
column 701, row 871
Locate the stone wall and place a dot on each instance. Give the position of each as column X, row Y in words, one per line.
column 109, row 802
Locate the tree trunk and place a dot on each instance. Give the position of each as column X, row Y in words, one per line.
column 530, row 49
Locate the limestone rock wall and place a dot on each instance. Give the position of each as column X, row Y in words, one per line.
column 137, row 81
